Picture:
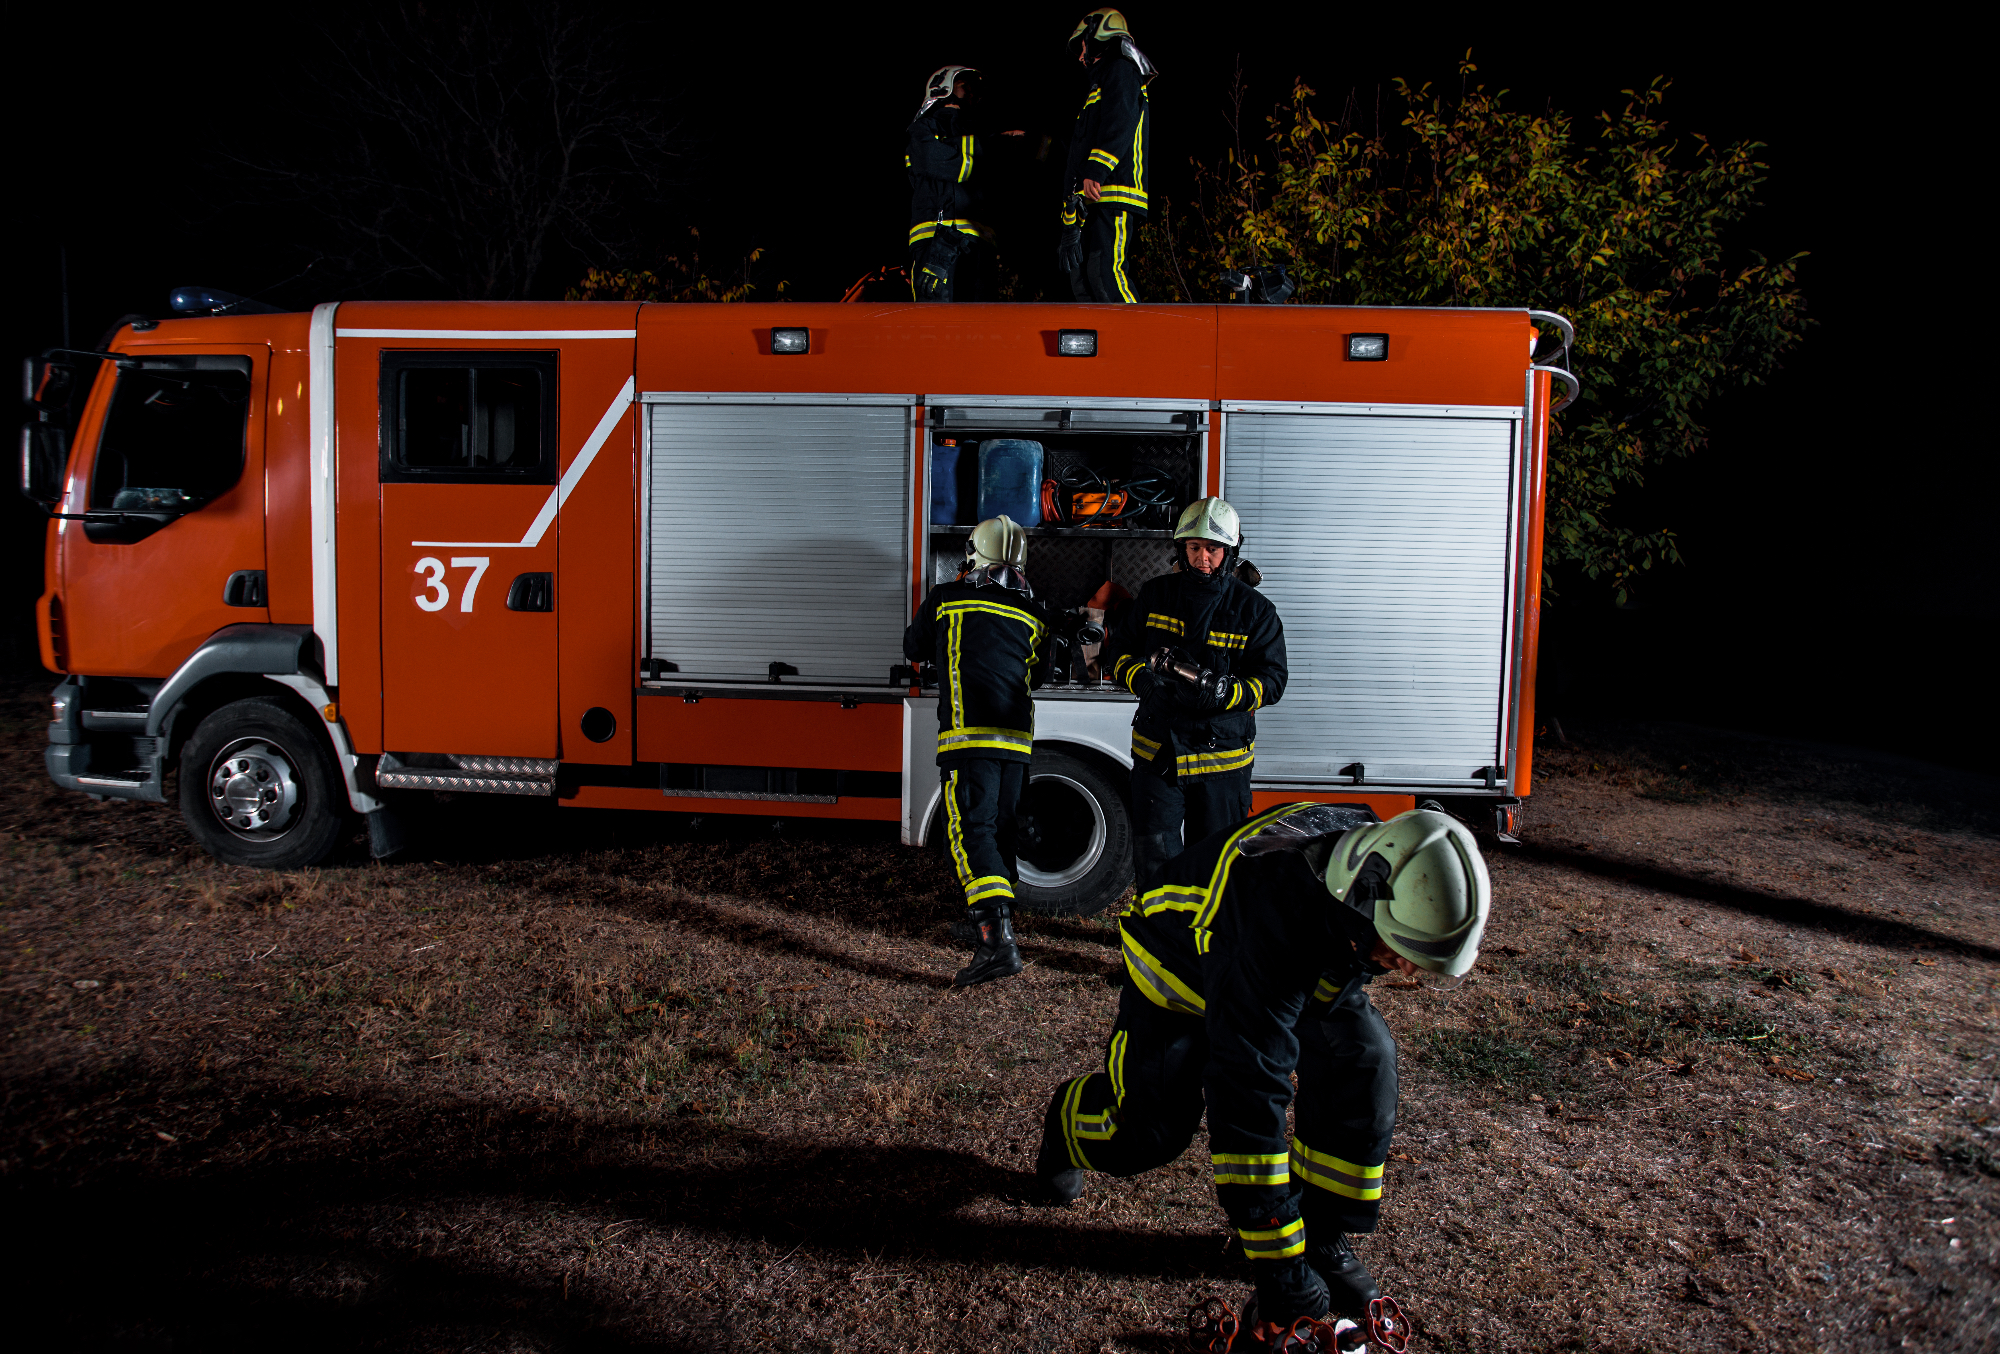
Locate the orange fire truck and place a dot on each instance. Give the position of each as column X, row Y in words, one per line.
column 661, row 556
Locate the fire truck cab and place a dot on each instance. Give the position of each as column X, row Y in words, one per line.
column 662, row 556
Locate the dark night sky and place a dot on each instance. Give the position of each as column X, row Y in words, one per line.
column 1837, row 578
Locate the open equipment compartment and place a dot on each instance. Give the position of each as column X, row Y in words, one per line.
column 1106, row 443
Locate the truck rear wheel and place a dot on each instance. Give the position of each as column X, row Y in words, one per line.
column 258, row 787
column 1074, row 836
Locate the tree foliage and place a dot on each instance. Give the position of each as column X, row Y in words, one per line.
column 1467, row 202
column 675, row 278
column 465, row 140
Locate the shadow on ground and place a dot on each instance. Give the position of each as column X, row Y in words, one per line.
column 220, row 1256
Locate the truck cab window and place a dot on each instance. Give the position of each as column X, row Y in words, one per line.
column 173, row 438
column 457, row 416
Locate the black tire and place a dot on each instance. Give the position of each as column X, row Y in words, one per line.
column 274, row 777
column 1075, row 837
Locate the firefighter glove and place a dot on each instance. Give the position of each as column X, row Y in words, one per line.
column 1069, row 252
column 1209, row 691
column 1195, row 688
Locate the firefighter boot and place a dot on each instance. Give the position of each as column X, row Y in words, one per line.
column 995, row 954
column 1348, row 1282
column 1054, row 1171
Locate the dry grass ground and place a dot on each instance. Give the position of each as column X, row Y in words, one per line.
column 566, row 1081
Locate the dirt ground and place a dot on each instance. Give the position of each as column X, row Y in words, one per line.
column 1725, row 1080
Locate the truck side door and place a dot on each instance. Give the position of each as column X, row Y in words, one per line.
column 172, row 493
column 469, row 467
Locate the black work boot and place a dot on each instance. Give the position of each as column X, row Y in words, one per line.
column 1054, row 1171
column 1348, row 1282
column 995, row 954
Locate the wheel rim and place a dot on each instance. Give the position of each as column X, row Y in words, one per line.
column 1072, row 830
column 254, row 790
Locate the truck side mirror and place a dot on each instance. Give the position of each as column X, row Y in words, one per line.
column 44, row 456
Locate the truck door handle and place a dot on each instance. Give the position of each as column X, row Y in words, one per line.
column 532, row 592
column 244, row 588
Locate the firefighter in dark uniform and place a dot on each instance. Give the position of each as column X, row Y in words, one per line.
column 1246, row 964
column 988, row 640
column 951, row 246
column 1203, row 651
column 1104, row 189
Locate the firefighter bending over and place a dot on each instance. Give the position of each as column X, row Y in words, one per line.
column 1247, row 963
column 951, row 246
column 1105, row 185
column 1203, row 651
column 989, row 641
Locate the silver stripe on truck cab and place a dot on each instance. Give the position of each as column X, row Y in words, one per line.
column 319, row 399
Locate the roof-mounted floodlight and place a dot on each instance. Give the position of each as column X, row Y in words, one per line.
column 791, row 341
column 209, row 301
column 1076, row 343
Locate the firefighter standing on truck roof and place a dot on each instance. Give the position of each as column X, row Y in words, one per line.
column 951, row 246
column 1245, row 965
column 1203, row 651
column 989, row 641
column 1105, row 185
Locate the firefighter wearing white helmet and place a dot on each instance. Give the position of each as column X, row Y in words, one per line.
column 987, row 641
column 1244, row 979
column 951, row 245
column 1203, row 651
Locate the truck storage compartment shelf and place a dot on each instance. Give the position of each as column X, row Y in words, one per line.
column 1087, row 533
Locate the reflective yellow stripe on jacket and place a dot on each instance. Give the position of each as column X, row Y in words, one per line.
column 977, row 739
column 959, row 737
column 1211, row 763
column 1156, row 983
column 1218, row 879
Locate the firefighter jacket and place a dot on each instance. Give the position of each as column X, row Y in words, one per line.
column 1222, row 624
column 1252, row 945
column 943, row 155
column 1111, row 141
column 990, row 645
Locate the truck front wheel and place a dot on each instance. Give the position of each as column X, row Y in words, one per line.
column 258, row 787
column 1075, row 837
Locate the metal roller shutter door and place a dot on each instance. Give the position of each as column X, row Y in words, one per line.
column 1385, row 544
column 777, row 534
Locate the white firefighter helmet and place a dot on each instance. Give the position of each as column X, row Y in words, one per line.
column 1429, row 883
column 943, row 80
column 997, row 540
column 1210, row 519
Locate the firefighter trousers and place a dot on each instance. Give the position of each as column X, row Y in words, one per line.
column 982, row 798
column 1142, row 1110
column 1169, row 813
column 1110, row 242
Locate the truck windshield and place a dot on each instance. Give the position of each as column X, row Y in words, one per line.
column 174, row 435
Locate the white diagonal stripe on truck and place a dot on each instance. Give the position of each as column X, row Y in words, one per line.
column 571, row 478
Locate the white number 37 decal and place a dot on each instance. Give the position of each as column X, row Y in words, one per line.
column 436, row 595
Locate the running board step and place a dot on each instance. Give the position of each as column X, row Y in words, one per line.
column 466, row 774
